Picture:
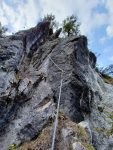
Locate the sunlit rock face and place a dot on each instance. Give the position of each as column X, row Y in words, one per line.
column 30, row 81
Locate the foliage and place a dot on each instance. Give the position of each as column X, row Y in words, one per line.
column 12, row 147
column 51, row 19
column 108, row 70
column 108, row 79
column 110, row 131
column 71, row 26
column 106, row 73
column 2, row 29
column 88, row 146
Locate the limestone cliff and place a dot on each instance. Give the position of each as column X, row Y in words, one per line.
column 29, row 88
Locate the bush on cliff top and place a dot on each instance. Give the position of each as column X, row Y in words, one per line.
column 70, row 25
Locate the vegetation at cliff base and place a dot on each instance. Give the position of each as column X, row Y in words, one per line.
column 43, row 141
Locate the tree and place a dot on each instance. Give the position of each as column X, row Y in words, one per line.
column 108, row 70
column 2, row 29
column 71, row 26
column 51, row 19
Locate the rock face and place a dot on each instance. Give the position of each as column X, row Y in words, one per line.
column 29, row 88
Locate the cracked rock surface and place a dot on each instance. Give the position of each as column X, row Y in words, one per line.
column 29, row 88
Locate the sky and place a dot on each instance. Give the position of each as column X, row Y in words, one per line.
column 95, row 16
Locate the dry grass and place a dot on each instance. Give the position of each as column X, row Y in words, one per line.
column 88, row 146
column 43, row 140
column 107, row 79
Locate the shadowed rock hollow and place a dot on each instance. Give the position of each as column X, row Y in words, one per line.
column 29, row 88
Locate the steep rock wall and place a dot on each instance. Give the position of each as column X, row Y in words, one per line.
column 29, row 86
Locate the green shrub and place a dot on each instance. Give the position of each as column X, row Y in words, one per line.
column 71, row 26
column 106, row 73
column 12, row 147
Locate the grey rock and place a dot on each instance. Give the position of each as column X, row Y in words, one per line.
column 78, row 146
column 56, row 34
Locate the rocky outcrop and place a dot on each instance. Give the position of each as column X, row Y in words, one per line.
column 29, row 88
